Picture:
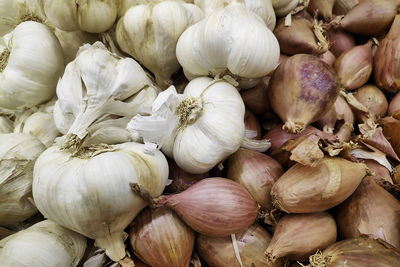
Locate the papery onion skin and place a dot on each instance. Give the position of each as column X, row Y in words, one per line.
column 214, row 206
column 305, row 189
column 252, row 242
column 373, row 99
column 297, row 236
column 301, row 90
column 372, row 211
column 386, row 60
column 354, row 66
column 322, row 8
column 370, row 17
column 160, row 238
column 358, row 252
column 340, row 41
column 256, row 172
column 391, row 130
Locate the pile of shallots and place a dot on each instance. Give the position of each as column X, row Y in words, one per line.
column 214, row 133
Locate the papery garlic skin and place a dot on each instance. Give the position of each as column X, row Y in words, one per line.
column 284, row 7
column 6, row 125
column 149, row 33
column 30, row 66
column 99, row 83
column 18, row 152
column 199, row 128
column 8, row 15
column 45, row 244
column 215, row 45
column 90, row 193
column 263, row 8
column 93, row 16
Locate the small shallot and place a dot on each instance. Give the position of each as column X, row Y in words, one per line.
column 252, row 126
column 322, row 8
column 381, row 172
column 394, row 106
column 256, row 99
column 357, row 252
column 339, row 40
column 160, row 238
column 371, row 211
column 251, row 244
column 391, row 130
column 341, row 7
column 370, row 17
column 301, row 90
column 328, row 57
column 213, row 206
column 297, row 236
column 256, row 172
column 387, row 61
column 304, row 189
column 354, row 67
column 181, row 180
column 373, row 99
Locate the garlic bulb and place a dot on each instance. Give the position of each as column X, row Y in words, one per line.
column 45, row 244
column 284, row 7
column 30, row 66
column 87, row 15
column 8, row 15
column 263, row 8
column 18, row 152
column 72, row 41
column 38, row 123
column 90, row 194
column 96, row 85
column 199, row 128
column 149, row 33
column 231, row 40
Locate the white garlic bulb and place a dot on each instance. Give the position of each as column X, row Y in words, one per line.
column 30, row 66
column 90, row 193
column 18, row 153
column 6, row 125
column 45, row 244
column 72, row 41
column 284, row 7
column 38, row 122
column 149, row 33
column 199, row 128
column 8, row 15
column 263, row 8
column 230, row 40
column 87, row 15
column 97, row 84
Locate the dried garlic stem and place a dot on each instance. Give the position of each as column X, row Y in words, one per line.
column 4, row 59
column 188, row 110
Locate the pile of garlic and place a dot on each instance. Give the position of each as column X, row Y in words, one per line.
column 88, row 106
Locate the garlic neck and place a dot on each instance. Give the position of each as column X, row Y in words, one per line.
column 188, row 110
column 4, row 59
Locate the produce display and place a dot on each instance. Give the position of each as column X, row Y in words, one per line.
column 201, row 133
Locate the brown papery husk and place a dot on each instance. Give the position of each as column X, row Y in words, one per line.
column 370, row 17
column 373, row 99
column 328, row 121
column 256, row 99
column 394, row 105
column 301, row 90
column 321, row 8
column 380, row 172
column 252, row 126
column 297, row 236
column 377, row 139
column 387, row 61
column 354, row 67
column 370, row 211
column 357, row 252
column 278, row 136
column 305, row 189
column 391, row 130
column 256, row 172
column 328, row 57
column 341, row 7
column 159, row 238
column 251, row 242
column 298, row 37
column 213, row 206
column 340, row 40
column 181, row 180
